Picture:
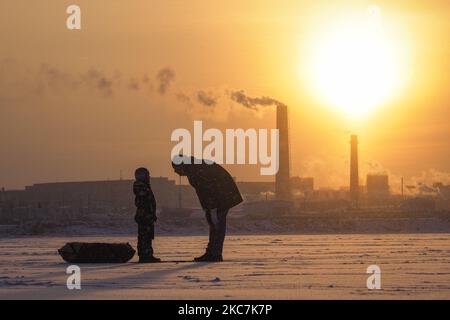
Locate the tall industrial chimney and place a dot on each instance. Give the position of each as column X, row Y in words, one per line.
column 282, row 179
column 354, row 176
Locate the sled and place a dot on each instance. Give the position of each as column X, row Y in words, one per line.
column 83, row 252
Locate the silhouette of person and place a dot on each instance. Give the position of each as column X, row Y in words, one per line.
column 217, row 193
column 145, row 215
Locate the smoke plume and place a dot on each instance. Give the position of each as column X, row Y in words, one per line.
column 206, row 99
column 183, row 98
column 251, row 102
column 164, row 77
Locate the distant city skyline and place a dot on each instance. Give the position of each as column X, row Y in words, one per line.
column 87, row 104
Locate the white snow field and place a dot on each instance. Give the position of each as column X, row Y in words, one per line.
column 413, row 266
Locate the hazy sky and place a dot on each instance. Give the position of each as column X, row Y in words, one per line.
column 85, row 104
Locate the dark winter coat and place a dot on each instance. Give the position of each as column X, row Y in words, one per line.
column 214, row 186
column 145, row 203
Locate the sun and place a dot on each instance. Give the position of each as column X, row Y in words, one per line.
column 356, row 68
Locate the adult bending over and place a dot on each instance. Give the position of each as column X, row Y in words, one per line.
column 217, row 193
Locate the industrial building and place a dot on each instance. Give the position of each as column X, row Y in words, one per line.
column 377, row 186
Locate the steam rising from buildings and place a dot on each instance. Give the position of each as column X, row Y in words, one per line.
column 183, row 98
column 251, row 102
column 134, row 84
column 206, row 99
column 165, row 77
column 55, row 78
column 375, row 168
column 96, row 79
column 49, row 79
column 428, row 182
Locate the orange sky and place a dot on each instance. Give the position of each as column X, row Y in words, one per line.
column 53, row 129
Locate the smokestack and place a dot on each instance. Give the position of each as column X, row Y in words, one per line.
column 402, row 188
column 179, row 193
column 282, row 179
column 354, row 177
column 2, row 195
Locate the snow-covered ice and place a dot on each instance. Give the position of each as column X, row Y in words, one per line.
column 412, row 266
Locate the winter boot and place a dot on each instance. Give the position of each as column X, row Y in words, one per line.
column 205, row 257
column 218, row 258
column 149, row 259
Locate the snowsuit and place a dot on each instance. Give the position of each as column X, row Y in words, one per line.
column 145, row 217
